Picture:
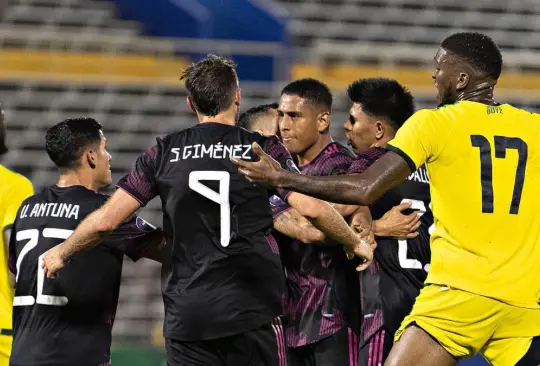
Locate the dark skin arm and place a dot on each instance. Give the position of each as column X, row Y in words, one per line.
column 360, row 189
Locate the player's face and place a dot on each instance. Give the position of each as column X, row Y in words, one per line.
column 3, row 147
column 103, row 165
column 442, row 76
column 298, row 123
column 360, row 129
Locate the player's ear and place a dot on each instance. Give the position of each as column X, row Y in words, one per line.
column 91, row 158
column 380, row 129
column 190, row 104
column 323, row 122
column 463, row 81
column 237, row 97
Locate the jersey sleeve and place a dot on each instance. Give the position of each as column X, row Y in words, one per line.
column 134, row 237
column 278, row 206
column 140, row 182
column 365, row 160
column 21, row 190
column 421, row 138
column 279, row 152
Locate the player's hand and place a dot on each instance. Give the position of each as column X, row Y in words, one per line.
column 53, row 261
column 266, row 170
column 397, row 225
column 363, row 250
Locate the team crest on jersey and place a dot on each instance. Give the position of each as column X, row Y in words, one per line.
column 144, row 225
column 292, row 166
column 276, row 201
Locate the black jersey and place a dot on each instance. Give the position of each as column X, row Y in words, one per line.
column 222, row 277
column 393, row 282
column 67, row 321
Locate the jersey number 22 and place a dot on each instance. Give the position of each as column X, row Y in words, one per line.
column 32, row 235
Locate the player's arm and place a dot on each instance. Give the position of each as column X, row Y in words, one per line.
column 136, row 189
column 330, row 222
column 292, row 224
column 138, row 239
column 419, row 139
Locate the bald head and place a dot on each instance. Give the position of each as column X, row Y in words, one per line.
column 263, row 119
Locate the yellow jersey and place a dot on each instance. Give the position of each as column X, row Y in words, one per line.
column 14, row 189
column 484, row 168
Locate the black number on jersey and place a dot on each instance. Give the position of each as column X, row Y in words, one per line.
column 31, row 237
column 486, row 168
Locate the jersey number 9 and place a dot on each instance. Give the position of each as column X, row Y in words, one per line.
column 221, row 197
column 32, row 236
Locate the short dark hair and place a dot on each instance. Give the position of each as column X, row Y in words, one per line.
column 385, row 98
column 477, row 49
column 67, row 140
column 211, row 84
column 314, row 91
column 249, row 117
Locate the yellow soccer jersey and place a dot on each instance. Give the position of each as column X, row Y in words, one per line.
column 14, row 189
column 484, row 168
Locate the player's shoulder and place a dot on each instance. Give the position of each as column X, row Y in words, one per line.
column 365, row 159
column 12, row 180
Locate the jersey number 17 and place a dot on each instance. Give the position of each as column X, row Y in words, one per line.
column 486, row 168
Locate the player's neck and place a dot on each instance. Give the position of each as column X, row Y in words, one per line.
column 228, row 117
column 480, row 93
column 307, row 156
column 71, row 178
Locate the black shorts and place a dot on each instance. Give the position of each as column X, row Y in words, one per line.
column 376, row 349
column 532, row 357
column 264, row 346
column 339, row 349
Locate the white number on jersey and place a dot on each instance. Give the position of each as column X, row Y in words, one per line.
column 32, row 235
column 405, row 262
column 221, row 197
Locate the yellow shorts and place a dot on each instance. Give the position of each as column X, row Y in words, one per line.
column 5, row 349
column 466, row 324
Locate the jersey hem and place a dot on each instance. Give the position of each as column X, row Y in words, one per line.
column 405, row 157
column 217, row 335
column 7, row 227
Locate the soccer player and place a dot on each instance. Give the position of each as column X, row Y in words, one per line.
column 222, row 281
column 14, row 188
column 393, row 281
column 263, row 119
column 319, row 303
column 483, row 286
column 69, row 321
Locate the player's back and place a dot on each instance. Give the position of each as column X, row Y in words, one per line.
column 222, row 277
column 485, row 174
column 403, row 264
column 68, row 320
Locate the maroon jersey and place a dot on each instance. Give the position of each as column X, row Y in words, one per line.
column 221, row 276
column 68, row 321
column 319, row 302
